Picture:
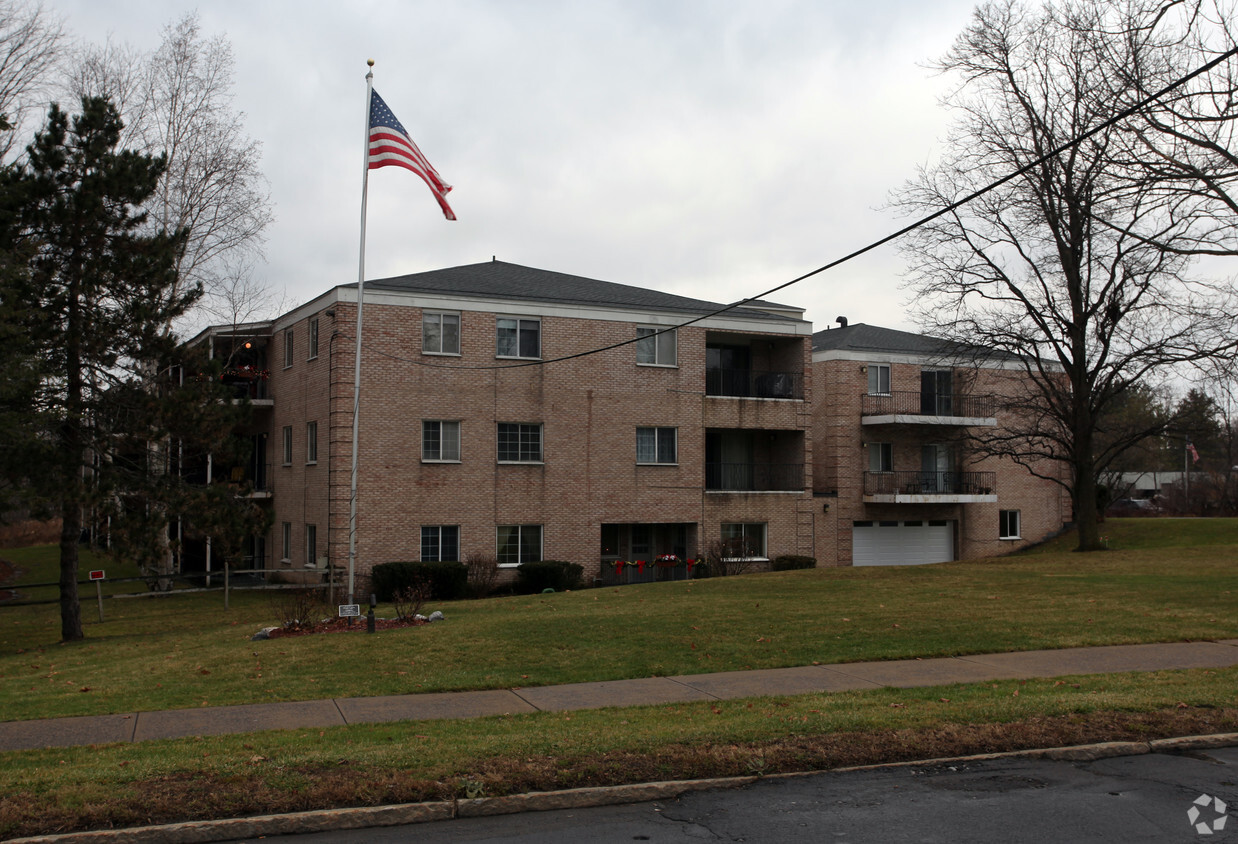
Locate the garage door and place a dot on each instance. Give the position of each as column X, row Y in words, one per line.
column 901, row 543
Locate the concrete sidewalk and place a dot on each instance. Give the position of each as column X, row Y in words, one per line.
column 223, row 720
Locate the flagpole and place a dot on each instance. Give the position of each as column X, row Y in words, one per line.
column 356, row 382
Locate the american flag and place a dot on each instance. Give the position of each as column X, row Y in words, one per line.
column 391, row 146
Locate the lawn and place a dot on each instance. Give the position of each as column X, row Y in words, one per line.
column 186, row 650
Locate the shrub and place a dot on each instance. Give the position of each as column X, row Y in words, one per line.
column 446, row 581
column 790, row 562
column 549, row 574
column 298, row 609
column 409, row 600
column 483, row 574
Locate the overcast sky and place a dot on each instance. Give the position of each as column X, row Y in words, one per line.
column 704, row 148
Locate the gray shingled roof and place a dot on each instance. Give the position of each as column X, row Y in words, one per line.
column 501, row 280
column 873, row 338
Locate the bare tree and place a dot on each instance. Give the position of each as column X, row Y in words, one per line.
column 177, row 101
column 31, row 45
column 1062, row 270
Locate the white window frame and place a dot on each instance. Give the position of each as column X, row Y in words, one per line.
column 654, row 349
column 1003, row 524
column 290, row 348
column 522, row 432
column 522, row 324
column 286, row 538
column 311, row 443
column 519, row 537
column 438, row 318
column 434, row 533
column 659, row 435
column 883, row 455
column 875, row 371
column 313, row 338
column 448, row 433
column 287, row 445
column 747, row 529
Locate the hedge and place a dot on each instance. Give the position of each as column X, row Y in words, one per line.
column 789, row 562
column 448, row 580
column 548, row 574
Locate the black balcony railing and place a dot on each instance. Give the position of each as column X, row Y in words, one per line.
column 252, row 389
column 754, row 477
column 753, row 383
column 929, row 483
column 910, row 403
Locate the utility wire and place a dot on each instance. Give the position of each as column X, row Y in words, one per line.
column 1053, row 153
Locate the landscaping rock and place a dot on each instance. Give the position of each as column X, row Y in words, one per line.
column 264, row 633
column 436, row 616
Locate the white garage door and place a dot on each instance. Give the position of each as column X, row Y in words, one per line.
column 901, row 543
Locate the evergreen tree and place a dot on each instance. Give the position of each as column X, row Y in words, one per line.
column 87, row 293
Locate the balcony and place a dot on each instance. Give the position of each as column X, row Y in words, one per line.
column 753, row 384
column 926, row 487
column 249, row 383
column 754, row 477
column 925, row 408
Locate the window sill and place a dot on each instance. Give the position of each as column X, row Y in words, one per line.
column 311, row 357
column 515, row 357
column 509, row 565
column 441, row 354
column 1008, row 538
column 311, row 462
column 433, row 460
column 659, row 365
column 522, row 462
column 287, row 465
column 656, row 464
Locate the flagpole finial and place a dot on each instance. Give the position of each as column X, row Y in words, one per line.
column 369, row 62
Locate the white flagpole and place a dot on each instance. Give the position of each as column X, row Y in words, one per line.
column 356, row 384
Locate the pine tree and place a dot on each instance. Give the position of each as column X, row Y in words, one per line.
column 89, row 293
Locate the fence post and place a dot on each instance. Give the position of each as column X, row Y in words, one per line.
column 227, row 569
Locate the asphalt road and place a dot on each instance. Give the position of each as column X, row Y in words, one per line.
column 1130, row 800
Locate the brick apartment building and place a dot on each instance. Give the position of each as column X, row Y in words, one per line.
column 894, row 471
column 481, row 433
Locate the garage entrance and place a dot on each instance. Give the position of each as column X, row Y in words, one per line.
column 909, row 542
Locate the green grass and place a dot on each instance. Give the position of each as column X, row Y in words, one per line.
column 186, row 651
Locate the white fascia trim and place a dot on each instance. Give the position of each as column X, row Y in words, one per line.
column 927, row 361
column 506, row 307
column 313, row 306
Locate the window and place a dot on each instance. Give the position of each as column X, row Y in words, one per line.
column 313, row 338
column 519, row 544
column 1008, row 524
column 311, row 442
column 655, row 349
column 287, row 540
column 287, row 445
column 289, row 348
column 642, row 541
column 655, row 445
column 518, row 338
column 440, row 334
column 439, row 543
column 440, row 441
column 881, row 457
column 879, row 379
column 520, row 443
column 311, row 545
column 744, row 541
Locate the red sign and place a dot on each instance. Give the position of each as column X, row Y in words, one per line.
column 97, row 574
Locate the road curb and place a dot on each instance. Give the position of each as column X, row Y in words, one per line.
column 327, row 820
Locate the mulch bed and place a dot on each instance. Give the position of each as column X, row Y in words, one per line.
column 341, row 625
